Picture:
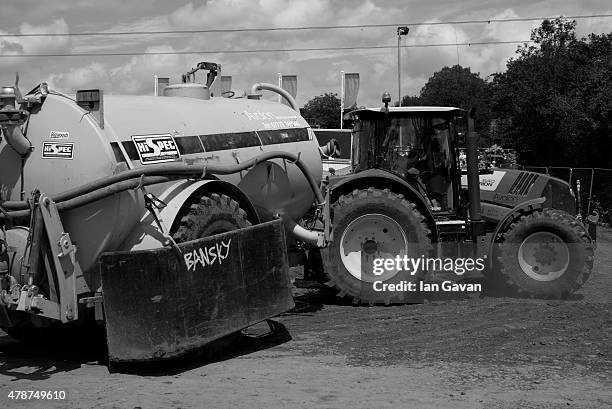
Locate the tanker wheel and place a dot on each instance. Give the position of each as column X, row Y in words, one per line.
column 83, row 336
column 207, row 215
column 373, row 224
column 545, row 254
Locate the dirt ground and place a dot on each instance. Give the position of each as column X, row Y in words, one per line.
column 476, row 352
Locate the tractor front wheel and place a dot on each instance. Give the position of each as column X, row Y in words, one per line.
column 371, row 224
column 546, row 254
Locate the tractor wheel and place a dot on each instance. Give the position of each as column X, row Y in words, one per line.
column 208, row 215
column 546, row 254
column 373, row 224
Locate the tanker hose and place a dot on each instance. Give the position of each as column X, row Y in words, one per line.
column 17, row 140
column 274, row 88
column 225, row 170
column 171, row 171
column 313, row 237
column 94, row 195
column 154, row 174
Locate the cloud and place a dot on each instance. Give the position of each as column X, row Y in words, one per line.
column 132, row 77
column 87, row 44
column 251, row 13
column 39, row 45
column 318, row 71
column 81, row 77
column 17, row 46
column 7, row 47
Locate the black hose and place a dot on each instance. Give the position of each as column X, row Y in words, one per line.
column 150, row 175
column 225, row 170
column 178, row 169
column 99, row 194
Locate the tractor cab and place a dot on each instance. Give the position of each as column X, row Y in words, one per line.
column 417, row 143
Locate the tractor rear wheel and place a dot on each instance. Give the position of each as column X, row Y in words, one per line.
column 373, row 224
column 210, row 214
column 546, row 254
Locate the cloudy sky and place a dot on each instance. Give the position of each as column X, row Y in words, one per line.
column 318, row 71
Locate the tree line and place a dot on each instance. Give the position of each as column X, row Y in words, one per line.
column 553, row 103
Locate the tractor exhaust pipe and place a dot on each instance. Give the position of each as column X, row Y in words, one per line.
column 473, row 179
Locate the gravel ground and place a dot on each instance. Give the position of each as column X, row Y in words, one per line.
column 477, row 352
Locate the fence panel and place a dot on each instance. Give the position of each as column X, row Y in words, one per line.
column 594, row 185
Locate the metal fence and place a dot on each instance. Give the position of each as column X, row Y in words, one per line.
column 594, row 185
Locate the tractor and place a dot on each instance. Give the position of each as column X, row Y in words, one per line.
column 407, row 196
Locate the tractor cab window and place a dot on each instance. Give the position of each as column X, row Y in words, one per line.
column 423, row 142
column 417, row 147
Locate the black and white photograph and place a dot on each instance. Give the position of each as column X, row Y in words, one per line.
column 305, row 204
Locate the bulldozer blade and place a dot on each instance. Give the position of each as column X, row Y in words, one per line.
column 161, row 304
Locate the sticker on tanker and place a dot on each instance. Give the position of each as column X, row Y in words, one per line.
column 59, row 135
column 270, row 120
column 54, row 150
column 156, row 148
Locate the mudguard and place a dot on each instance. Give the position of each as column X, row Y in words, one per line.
column 512, row 214
column 146, row 234
column 161, row 304
column 382, row 179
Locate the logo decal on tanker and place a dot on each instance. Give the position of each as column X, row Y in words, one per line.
column 156, row 148
column 59, row 135
column 54, row 150
column 273, row 121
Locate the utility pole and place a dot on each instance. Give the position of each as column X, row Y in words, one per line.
column 341, row 99
column 401, row 31
column 280, row 85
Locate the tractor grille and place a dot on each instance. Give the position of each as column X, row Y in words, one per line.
column 523, row 183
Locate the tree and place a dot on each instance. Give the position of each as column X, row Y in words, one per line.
column 411, row 101
column 459, row 87
column 322, row 111
column 555, row 98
